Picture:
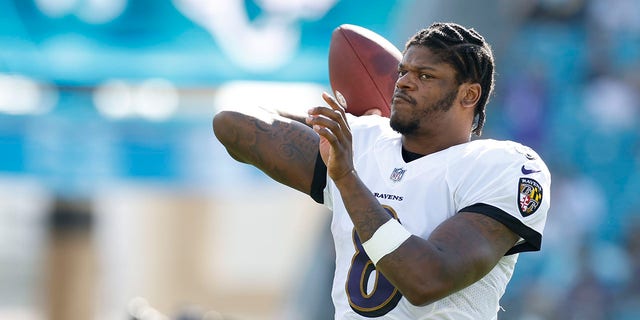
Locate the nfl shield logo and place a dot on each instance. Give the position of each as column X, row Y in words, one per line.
column 397, row 174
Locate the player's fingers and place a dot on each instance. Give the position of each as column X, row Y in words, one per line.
column 329, row 114
column 333, row 115
column 337, row 105
column 340, row 150
column 327, row 134
column 329, row 124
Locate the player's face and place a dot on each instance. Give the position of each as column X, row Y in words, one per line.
column 425, row 91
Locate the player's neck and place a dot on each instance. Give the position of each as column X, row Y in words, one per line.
column 449, row 129
column 428, row 144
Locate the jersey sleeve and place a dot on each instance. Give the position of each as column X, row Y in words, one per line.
column 507, row 182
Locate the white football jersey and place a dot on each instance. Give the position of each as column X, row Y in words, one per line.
column 502, row 179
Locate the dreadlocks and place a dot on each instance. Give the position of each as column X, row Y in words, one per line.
column 468, row 53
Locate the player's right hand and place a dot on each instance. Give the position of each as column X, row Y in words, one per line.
column 335, row 137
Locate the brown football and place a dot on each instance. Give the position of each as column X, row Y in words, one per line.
column 363, row 67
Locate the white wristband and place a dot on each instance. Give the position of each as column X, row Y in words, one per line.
column 385, row 240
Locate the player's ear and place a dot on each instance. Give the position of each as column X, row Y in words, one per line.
column 470, row 94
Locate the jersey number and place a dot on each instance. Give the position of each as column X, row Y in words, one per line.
column 380, row 299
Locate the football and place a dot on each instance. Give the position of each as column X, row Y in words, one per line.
column 363, row 68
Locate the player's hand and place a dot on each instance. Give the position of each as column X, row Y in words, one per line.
column 335, row 136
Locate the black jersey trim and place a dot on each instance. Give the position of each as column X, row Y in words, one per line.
column 533, row 239
column 319, row 180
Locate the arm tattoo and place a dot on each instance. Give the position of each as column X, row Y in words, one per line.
column 286, row 151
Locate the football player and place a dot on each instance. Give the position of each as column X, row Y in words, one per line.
column 427, row 222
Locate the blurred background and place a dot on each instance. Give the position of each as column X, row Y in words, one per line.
column 116, row 201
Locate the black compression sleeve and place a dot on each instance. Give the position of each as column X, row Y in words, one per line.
column 319, row 180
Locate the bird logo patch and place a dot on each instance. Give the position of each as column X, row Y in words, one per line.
column 529, row 196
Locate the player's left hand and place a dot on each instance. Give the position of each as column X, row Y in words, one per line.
column 335, row 136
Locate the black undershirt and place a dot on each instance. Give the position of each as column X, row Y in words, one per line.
column 409, row 156
column 319, row 180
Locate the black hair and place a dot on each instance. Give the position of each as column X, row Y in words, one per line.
column 468, row 53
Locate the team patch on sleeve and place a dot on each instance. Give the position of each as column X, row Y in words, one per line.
column 529, row 196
